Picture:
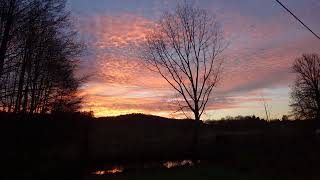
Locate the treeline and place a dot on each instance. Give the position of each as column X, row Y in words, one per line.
column 38, row 52
column 254, row 123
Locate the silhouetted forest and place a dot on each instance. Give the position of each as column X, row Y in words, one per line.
column 37, row 57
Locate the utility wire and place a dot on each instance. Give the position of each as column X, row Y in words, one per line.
column 298, row 19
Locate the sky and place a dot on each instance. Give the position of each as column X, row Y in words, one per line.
column 263, row 39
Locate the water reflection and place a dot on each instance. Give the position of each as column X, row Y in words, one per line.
column 151, row 165
column 114, row 170
column 172, row 164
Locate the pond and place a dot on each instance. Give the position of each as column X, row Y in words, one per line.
column 116, row 169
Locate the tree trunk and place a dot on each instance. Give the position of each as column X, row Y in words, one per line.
column 195, row 138
column 20, row 87
column 317, row 99
column 6, row 34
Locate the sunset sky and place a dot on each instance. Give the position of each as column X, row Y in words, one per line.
column 264, row 41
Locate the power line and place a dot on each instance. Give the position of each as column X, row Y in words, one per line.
column 298, row 19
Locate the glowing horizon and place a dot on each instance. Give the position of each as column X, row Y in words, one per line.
column 264, row 42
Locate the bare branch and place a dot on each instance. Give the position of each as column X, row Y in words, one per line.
column 183, row 48
column 305, row 93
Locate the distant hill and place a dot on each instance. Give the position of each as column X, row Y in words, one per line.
column 140, row 117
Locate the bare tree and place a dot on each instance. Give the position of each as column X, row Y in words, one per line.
column 7, row 15
column 305, row 92
column 40, row 58
column 266, row 107
column 183, row 48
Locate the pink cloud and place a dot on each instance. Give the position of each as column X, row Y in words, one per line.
column 115, row 31
column 259, row 57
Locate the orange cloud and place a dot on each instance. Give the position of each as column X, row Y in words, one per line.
column 258, row 58
column 117, row 31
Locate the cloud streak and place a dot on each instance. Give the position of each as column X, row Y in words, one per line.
column 258, row 60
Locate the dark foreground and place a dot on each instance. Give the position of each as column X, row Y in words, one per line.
column 73, row 146
column 206, row 172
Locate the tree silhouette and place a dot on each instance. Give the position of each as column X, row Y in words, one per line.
column 183, row 48
column 38, row 61
column 305, row 93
